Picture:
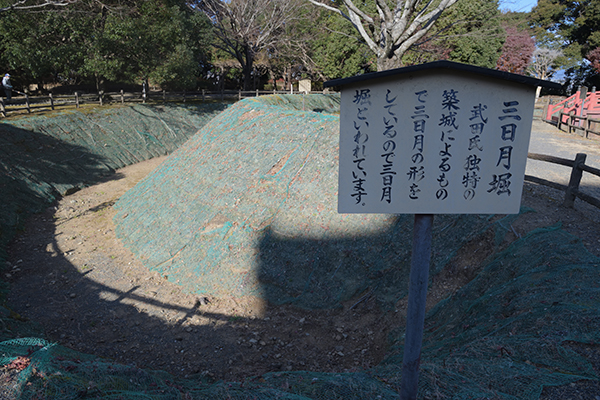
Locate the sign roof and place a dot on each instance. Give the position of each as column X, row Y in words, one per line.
column 435, row 141
column 447, row 65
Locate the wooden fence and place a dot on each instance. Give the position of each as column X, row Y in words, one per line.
column 572, row 189
column 31, row 104
column 579, row 124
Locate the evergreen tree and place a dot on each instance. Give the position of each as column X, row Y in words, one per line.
column 573, row 27
column 469, row 32
column 160, row 40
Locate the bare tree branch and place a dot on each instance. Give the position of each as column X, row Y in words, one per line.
column 245, row 27
column 543, row 64
column 27, row 5
column 391, row 33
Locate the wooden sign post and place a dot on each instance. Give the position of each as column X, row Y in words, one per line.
column 437, row 138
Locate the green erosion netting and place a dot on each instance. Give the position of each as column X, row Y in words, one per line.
column 42, row 157
column 247, row 206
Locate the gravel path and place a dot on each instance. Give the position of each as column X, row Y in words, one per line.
column 547, row 139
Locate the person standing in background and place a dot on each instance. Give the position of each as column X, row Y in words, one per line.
column 7, row 86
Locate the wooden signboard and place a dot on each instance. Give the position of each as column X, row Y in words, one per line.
column 434, row 141
column 441, row 144
column 438, row 138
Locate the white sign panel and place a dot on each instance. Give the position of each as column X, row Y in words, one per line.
column 442, row 143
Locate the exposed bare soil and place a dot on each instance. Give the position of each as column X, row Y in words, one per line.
column 73, row 277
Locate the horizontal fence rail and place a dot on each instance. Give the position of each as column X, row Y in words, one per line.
column 572, row 191
column 30, row 104
column 576, row 123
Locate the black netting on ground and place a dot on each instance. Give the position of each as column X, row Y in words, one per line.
column 247, row 206
column 505, row 335
column 42, row 157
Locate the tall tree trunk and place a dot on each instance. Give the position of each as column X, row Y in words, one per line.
column 99, row 83
column 385, row 63
column 272, row 78
column 248, row 68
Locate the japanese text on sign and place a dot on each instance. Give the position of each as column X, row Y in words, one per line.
column 434, row 145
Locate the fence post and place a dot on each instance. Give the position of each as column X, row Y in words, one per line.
column 240, row 94
column 51, row 102
column 76, row 100
column 184, row 95
column 164, row 96
column 572, row 123
column 122, row 98
column 100, row 97
column 559, row 123
column 582, row 96
column 27, row 103
column 256, row 92
column 576, row 174
column 203, row 91
column 2, row 109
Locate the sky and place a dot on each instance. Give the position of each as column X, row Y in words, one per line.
column 517, row 5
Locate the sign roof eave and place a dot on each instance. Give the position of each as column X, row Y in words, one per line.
column 447, row 65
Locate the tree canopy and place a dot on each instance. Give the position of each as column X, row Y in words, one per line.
column 333, row 48
column 29, row 5
column 244, row 28
column 179, row 44
column 90, row 41
column 573, row 27
column 517, row 51
column 469, row 32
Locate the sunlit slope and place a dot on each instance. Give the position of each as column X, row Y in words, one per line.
column 248, row 206
column 43, row 157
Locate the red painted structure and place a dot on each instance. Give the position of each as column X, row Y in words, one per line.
column 583, row 104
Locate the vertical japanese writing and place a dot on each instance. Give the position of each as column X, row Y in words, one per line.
column 389, row 146
column 449, row 125
column 362, row 99
column 472, row 161
column 501, row 182
column 416, row 171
